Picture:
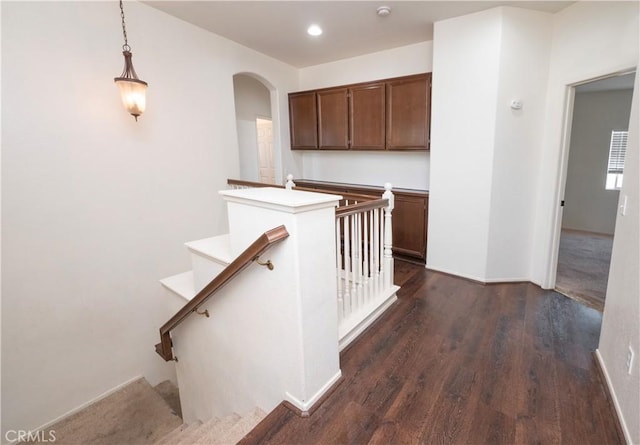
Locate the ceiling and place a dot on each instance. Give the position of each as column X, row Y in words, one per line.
column 351, row 28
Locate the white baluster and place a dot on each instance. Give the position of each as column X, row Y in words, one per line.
column 354, row 262
column 347, row 264
column 377, row 249
column 374, row 250
column 365, row 258
column 339, row 270
column 388, row 237
column 358, row 257
column 290, row 184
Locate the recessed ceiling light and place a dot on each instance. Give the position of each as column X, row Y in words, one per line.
column 314, row 30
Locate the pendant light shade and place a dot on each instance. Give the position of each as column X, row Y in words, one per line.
column 132, row 90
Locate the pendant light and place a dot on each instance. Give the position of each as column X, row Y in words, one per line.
column 132, row 89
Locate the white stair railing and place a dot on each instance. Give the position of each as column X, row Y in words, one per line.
column 364, row 257
column 364, row 264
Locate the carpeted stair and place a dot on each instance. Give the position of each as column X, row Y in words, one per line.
column 228, row 430
column 141, row 415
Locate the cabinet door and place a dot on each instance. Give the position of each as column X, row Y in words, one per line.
column 366, row 105
column 333, row 121
column 408, row 108
column 409, row 222
column 303, row 120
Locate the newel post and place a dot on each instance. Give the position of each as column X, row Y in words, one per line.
column 289, row 184
column 388, row 237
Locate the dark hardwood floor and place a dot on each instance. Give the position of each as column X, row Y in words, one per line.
column 455, row 362
column 583, row 266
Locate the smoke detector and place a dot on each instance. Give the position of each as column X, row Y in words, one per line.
column 383, row 11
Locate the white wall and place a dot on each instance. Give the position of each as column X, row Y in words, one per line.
column 590, row 40
column 621, row 321
column 1, row 343
column 403, row 170
column 95, row 206
column 409, row 170
column 482, row 180
column 588, row 204
column 524, row 67
column 402, row 61
column 252, row 100
column 466, row 63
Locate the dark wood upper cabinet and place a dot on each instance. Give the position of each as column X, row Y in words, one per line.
column 367, row 106
column 390, row 114
column 303, row 120
column 333, row 119
column 408, row 108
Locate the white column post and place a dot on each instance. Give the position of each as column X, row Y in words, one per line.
column 299, row 340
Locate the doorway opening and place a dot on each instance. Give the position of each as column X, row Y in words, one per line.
column 266, row 169
column 254, row 129
column 601, row 111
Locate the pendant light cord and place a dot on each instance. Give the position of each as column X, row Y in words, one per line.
column 126, row 46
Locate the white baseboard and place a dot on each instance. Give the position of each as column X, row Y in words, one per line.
column 508, row 280
column 539, row 284
column 304, row 407
column 479, row 279
column 456, row 274
column 614, row 399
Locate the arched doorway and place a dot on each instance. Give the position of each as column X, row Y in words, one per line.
column 254, row 127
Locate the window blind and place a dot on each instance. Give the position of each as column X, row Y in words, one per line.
column 617, row 151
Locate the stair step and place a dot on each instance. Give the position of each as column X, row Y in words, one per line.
column 178, row 434
column 171, row 395
column 173, row 436
column 186, row 437
column 181, row 285
column 226, row 431
column 207, row 426
column 211, row 434
column 216, row 248
column 133, row 414
column 209, row 257
column 242, row 427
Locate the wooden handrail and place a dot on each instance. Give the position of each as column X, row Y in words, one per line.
column 352, row 209
column 346, row 196
column 243, row 183
column 352, row 196
column 251, row 253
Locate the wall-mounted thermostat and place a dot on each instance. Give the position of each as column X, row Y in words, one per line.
column 516, row 104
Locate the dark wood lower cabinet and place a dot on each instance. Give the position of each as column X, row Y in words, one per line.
column 410, row 225
column 410, row 215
